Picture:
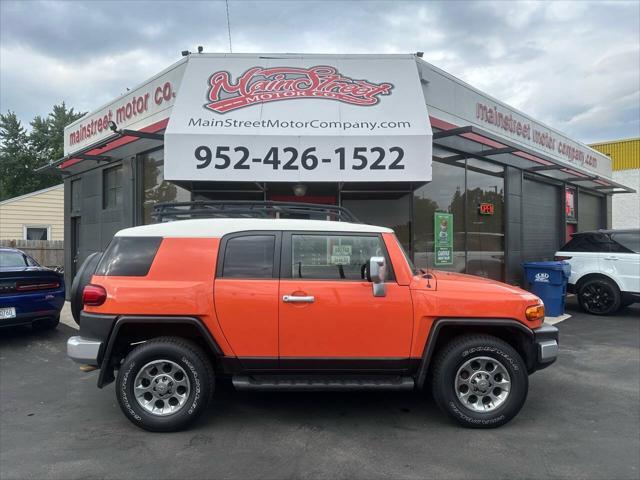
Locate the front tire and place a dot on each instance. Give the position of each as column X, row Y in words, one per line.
column 599, row 296
column 480, row 381
column 165, row 384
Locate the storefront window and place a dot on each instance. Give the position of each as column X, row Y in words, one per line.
column 485, row 219
column 446, row 193
column 475, row 198
column 387, row 209
column 154, row 187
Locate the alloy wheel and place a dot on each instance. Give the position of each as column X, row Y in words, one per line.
column 482, row 384
column 162, row 387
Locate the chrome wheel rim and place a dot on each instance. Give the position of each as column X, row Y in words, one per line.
column 597, row 297
column 482, row 384
column 161, row 387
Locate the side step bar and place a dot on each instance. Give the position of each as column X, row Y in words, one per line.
column 313, row 383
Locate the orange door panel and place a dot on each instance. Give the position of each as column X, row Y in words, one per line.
column 247, row 311
column 343, row 319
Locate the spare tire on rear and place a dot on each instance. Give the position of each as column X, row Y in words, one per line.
column 82, row 278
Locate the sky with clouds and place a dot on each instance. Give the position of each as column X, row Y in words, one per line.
column 573, row 65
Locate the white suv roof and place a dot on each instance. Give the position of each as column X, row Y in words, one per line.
column 218, row 227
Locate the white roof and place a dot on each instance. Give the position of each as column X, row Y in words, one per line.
column 218, row 227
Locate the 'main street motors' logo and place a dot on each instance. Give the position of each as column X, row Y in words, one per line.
column 262, row 85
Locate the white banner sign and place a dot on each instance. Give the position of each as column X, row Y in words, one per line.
column 290, row 119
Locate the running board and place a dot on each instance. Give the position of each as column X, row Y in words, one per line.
column 314, row 383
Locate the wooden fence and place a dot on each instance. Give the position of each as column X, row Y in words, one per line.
column 49, row 253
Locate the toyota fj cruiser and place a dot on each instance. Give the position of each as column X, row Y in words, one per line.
column 294, row 304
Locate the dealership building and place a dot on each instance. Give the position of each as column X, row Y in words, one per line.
column 397, row 141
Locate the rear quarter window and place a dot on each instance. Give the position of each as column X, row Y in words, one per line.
column 129, row 256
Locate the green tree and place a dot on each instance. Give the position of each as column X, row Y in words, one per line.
column 22, row 152
column 16, row 159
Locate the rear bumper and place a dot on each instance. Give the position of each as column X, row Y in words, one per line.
column 32, row 306
column 546, row 339
column 84, row 350
column 88, row 347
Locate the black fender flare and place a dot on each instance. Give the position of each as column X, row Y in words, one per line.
column 106, row 367
column 440, row 323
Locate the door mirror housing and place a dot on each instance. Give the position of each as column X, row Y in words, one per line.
column 378, row 274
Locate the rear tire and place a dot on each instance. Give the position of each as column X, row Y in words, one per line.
column 165, row 384
column 480, row 381
column 599, row 296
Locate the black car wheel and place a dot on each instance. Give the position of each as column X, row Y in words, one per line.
column 599, row 296
column 82, row 278
column 164, row 384
column 480, row 381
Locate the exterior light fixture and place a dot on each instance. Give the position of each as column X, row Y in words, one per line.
column 299, row 189
column 113, row 127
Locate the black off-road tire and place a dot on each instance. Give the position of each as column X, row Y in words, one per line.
column 599, row 296
column 456, row 354
column 187, row 355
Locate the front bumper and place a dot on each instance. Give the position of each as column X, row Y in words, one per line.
column 546, row 344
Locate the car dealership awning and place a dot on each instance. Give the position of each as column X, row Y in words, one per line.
column 458, row 143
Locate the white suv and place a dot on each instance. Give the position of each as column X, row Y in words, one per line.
column 605, row 269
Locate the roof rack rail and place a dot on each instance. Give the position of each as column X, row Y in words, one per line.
column 167, row 212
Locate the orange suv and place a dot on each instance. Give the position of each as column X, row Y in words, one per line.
column 298, row 305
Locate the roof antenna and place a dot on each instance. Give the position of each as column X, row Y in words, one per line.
column 228, row 26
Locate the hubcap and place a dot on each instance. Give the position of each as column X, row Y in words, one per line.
column 482, row 384
column 162, row 387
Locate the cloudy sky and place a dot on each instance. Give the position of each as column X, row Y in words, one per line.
column 573, row 65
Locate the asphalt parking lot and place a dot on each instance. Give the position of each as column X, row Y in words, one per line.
column 581, row 420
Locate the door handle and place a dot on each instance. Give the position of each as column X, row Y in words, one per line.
column 298, row 299
column 611, row 258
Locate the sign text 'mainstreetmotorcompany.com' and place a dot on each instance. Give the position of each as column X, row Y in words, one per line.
column 277, row 123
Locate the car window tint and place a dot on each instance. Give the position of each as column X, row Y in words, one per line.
column 12, row 259
column 596, row 242
column 333, row 257
column 249, row 256
column 626, row 242
column 129, row 256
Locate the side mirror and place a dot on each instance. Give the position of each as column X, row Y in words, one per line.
column 378, row 274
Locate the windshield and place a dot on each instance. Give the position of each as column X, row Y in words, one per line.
column 12, row 259
column 407, row 258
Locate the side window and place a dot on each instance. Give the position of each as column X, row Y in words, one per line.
column 249, row 256
column 129, row 256
column 594, row 243
column 627, row 242
column 333, row 257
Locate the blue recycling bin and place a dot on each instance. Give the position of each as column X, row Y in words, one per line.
column 548, row 280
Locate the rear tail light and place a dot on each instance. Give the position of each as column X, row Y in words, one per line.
column 534, row 312
column 559, row 258
column 94, row 295
column 31, row 286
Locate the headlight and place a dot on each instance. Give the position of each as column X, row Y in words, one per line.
column 534, row 312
